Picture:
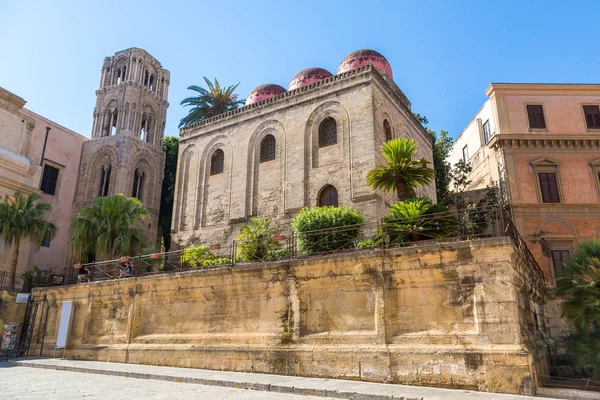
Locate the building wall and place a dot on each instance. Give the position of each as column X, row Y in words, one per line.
column 22, row 135
column 63, row 151
column 212, row 208
column 458, row 315
column 566, row 146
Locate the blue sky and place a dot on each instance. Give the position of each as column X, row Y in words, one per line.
column 444, row 54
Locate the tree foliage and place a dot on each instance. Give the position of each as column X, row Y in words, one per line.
column 255, row 239
column 23, row 218
column 208, row 103
column 107, row 229
column 441, row 149
column 417, row 219
column 325, row 229
column 579, row 287
column 165, row 214
column 403, row 173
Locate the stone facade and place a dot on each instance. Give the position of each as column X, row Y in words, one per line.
column 463, row 315
column 212, row 207
column 31, row 144
column 125, row 154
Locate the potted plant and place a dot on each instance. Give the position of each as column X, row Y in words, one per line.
column 77, row 266
column 215, row 246
column 154, row 256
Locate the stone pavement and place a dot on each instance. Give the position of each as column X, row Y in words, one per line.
column 205, row 384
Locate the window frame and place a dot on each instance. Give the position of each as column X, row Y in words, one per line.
column 467, row 158
column 212, row 156
column 59, row 168
column 544, row 166
column 322, row 192
column 486, row 138
column 534, row 129
column 387, row 129
column 262, row 156
column 595, row 166
column 583, row 105
column 320, row 133
column 46, row 240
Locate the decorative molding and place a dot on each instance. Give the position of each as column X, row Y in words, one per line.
column 546, row 142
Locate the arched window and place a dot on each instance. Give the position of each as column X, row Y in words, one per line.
column 387, row 129
column 104, row 180
column 216, row 162
column 138, row 184
column 328, row 197
column 327, row 132
column 267, row 148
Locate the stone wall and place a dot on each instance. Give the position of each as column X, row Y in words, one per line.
column 462, row 315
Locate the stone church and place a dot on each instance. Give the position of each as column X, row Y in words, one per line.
column 125, row 152
column 307, row 146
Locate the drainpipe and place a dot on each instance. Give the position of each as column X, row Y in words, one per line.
column 44, row 148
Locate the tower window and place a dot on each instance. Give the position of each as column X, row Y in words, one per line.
column 267, row 148
column 46, row 240
column 113, row 122
column 327, row 132
column 49, row 180
column 217, row 161
column 387, row 129
column 138, row 184
column 104, row 181
column 328, row 197
column 145, row 126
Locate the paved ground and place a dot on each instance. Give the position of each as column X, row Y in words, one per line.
column 33, row 383
column 69, row 379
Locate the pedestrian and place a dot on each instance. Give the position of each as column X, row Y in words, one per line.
column 127, row 270
column 84, row 274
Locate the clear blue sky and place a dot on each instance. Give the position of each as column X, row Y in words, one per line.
column 444, row 54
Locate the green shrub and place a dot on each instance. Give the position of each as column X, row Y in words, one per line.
column 279, row 253
column 370, row 243
column 254, row 240
column 216, row 261
column 417, row 219
column 196, row 256
column 327, row 228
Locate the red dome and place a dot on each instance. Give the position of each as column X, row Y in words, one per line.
column 264, row 92
column 308, row 76
column 363, row 57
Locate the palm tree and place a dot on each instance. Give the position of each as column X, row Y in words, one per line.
column 579, row 287
column 402, row 173
column 418, row 219
column 22, row 218
column 214, row 101
column 108, row 228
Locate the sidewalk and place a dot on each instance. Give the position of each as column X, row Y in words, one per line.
column 333, row 388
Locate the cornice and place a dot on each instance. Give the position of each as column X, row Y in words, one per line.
column 11, row 101
column 277, row 102
column 543, row 89
column 544, row 141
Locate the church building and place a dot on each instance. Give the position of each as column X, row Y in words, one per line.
column 308, row 146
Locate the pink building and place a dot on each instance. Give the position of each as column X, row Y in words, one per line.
column 541, row 144
column 41, row 156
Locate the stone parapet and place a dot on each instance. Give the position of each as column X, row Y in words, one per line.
column 461, row 315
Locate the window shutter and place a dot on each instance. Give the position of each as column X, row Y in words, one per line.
column 535, row 113
column 549, row 187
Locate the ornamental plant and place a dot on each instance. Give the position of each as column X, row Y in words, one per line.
column 255, row 239
column 417, row 219
column 325, row 229
column 197, row 256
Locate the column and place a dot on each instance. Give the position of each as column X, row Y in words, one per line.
column 94, row 124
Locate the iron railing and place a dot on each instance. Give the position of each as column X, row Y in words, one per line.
column 456, row 225
column 555, row 382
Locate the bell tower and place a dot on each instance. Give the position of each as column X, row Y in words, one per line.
column 125, row 152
